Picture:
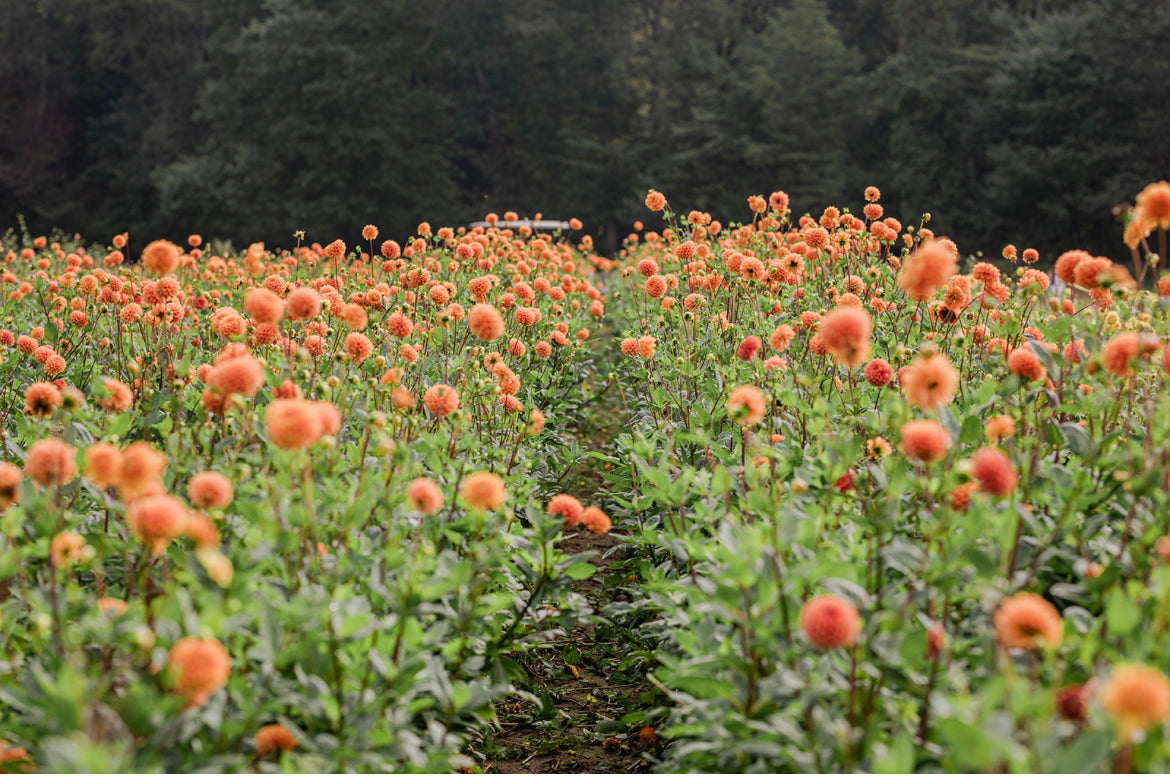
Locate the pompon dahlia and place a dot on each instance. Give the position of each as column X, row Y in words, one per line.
column 199, row 668
column 1137, row 698
column 845, row 331
column 483, row 491
column 1025, row 620
column 424, row 495
column 830, row 622
column 746, row 405
column 994, row 471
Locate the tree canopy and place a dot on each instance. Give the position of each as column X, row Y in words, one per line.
column 1010, row 120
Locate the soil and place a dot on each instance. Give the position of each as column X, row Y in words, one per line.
column 584, row 688
column 588, row 679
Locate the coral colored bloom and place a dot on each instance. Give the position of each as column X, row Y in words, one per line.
column 1089, row 272
column 1122, row 350
column 748, row 349
column 402, row 398
column 925, row 441
column 354, row 316
column 1152, row 205
column 655, row 286
column 276, row 738
column 878, row 372
column 113, row 606
column 1026, row 364
column 399, row 325
column 50, row 462
column 440, row 399
column 781, row 336
column 994, row 471
column 41, row 399
column 15, row 760
column 264, row 306
column 10, row 477
column 156, row 520
column 998, row 428
column 209, row 490
column 1025, row 620
column 54, row 365
column 830, row 622
column 358, row 347
column 201, row 529
column 845, row 332
column 746, row 405
column 199, row 668
column 595, row 520
column 142, row 468
column 242, row 375
column 1066, row 265
column 118, row 397
column 483, row 491
column 960, row 496
column 67, row 548
column 328, row 416
column 424, row 496
column 161, row 257
column 103, row 464
column 293, row 423
column 485, row 322
column 303, row 303
column 928, row 269
column 568, row 507
column 1137, row 698
column 930, row 382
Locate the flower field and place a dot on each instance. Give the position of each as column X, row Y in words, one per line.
column 847, row 499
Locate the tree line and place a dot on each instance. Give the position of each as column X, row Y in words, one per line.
column 1024, row 121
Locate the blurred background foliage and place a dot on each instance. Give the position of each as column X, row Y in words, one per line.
column 1026, row 121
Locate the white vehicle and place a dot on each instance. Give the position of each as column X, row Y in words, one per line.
column 536, row 226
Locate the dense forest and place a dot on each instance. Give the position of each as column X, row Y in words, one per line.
column 1029, row 121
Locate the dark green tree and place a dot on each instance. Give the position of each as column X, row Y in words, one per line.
column 317, row 116
column 1078, row 125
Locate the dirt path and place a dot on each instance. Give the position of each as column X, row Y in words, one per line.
column 585, row 687
column 590, row 678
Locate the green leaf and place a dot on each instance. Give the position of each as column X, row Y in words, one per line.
column 580, row 570
column 949, row 423
column 1077, row 439
column 704, row 687
column 899, row 759
column 1088, row 753
column 1122, row 613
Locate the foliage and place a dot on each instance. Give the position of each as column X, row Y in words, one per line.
column 262, row 116
column 743, row 520
column 378, row 628
column 876, row 506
